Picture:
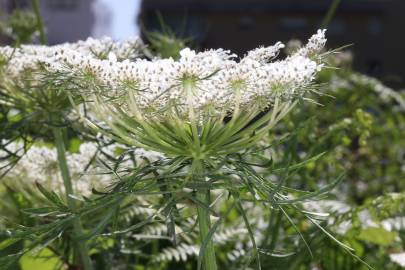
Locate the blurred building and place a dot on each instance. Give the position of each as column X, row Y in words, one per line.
column 372, row 26
column 67, row 20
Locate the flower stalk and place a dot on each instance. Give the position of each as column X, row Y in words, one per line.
column 40, row 22
column 204, row 222
column 80, row 245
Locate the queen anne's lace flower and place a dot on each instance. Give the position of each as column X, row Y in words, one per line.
column 203, row 79
column 191, row 92
column 81, row 53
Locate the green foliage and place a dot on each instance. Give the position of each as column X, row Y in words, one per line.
column 378, row 236
column 165, row 43
column 21, row 26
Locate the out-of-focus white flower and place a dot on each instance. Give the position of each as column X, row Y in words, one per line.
column 151, row 156
column 385, row 93
column 343, row 227
column 331, row 207
column 398, row 258
column 366, row 219
column 293, row 46
column 394, row 224
column 40, row 164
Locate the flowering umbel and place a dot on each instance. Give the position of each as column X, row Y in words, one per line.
column 204, row 104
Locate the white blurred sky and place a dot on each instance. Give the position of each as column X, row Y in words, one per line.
column 116, row 18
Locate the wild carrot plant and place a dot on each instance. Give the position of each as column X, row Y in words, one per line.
column 203, row 114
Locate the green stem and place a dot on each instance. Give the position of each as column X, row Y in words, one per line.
column 40, row 22
column 204, row 222
column 209, row 261
column 80, row 245
column 331, row 12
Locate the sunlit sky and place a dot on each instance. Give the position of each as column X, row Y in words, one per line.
column 122, row 23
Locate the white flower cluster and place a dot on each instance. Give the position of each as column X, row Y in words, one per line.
column 214, row 79
column 59, row 56
column 398, row 258
column 138, row 155
column 332, row 209
column 40, row 164
column 386, row 94
column 314, row 45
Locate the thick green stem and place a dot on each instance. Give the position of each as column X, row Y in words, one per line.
column 204, row 222
column 40, row 22
column 80, row 245
column 203, row 195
